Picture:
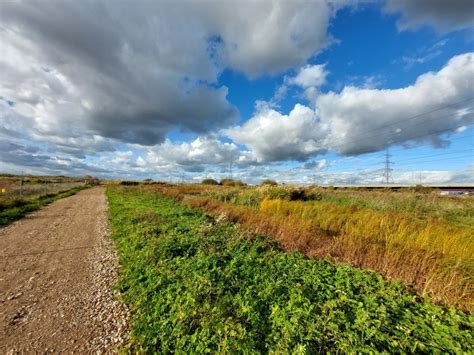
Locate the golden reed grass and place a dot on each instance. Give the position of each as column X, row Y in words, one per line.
column 433, row 256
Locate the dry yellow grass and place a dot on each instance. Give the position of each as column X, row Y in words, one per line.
column 433, row 256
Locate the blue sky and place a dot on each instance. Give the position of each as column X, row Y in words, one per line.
column 318, row 95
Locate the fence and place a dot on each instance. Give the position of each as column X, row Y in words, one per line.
column 30, row 190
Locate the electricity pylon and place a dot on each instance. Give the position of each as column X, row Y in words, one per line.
column 387, row 171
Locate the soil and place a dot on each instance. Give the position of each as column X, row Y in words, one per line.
column 57, row 271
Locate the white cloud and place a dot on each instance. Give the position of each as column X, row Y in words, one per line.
column 366, row 120
column 309, row 76
column 444, row 15
column 272, row 136
column 360, row 120
column 135, row 72
column 203, row 152
column 81, row 81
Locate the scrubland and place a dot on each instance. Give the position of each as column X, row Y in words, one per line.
column 424, row 239
column 302, row 271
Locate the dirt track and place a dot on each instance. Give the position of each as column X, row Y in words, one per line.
column 57, row 269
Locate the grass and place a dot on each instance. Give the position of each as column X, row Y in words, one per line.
column 458, row 211
column 432, row 254
column 12, row 209
column 195, row 283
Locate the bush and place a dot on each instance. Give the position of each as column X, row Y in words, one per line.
column 209, row 182
column 269, row 182
column 240, row 183
column 129, row 183
column 422, row 189
column 231, row 182
column 227, row 182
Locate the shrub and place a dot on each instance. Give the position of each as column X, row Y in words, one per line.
column 422, row 189
column 129, row 183
column 227, row 182
column 239, row 183
column 269, row 182
column 209, row 182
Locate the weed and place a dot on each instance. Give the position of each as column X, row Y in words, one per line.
column 194, row 284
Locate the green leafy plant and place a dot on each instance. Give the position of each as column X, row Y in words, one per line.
column 197, row 284
column 209, row 182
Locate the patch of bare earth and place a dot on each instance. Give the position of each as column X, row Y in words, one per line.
column 57, row 271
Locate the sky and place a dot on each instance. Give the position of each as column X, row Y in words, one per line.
column 295, row 91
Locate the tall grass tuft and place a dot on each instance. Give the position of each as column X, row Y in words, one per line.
column 435, row 257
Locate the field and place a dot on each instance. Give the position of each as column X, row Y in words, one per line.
column 280, row 279
column 419, row 237
column 20, row 195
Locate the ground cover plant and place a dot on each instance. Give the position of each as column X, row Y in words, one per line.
column 14, row 208
column 195, row 283
column 432, row 253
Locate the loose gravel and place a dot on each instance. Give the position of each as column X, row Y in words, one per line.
column 58, row 268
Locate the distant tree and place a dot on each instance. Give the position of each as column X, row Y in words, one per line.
column 269, row 182
column 129, row 183
column 90, row 180
column 239, row 183
column 209, row 182
column 422, row 189
column 231, row 182
column 148, row 180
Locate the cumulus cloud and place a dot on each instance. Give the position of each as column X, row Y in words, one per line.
column 272, row 136
column 203, row 152
column 444, row 15
column 88, row 68
column 270, row 36
column 367, row 120
column 95, row 87
column 309, row 76
column 362, row 119
column 134, row 72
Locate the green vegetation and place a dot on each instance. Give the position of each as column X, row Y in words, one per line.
column 231, row 182
column 422, row 205
column 399, row 234
column 209, row 182
column 269, row 182
column 199, row 284
column 129, row 183
column 14, row 208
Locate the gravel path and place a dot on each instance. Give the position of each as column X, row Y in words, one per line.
column 57, row 271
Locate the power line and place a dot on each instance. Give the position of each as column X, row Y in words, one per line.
column 417, row 159
column 411, row 118
column 439, row 131
column 403, row 149
column 439, row 154
column 435, row 160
